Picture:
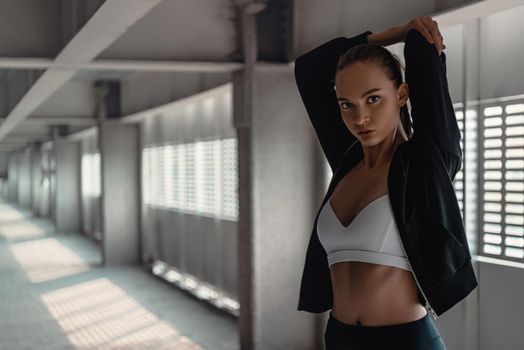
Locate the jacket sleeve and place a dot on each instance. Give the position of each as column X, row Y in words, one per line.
column 434, row 120
column 315, row 75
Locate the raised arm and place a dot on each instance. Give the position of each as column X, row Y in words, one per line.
column 434, row 120
column 314, row 75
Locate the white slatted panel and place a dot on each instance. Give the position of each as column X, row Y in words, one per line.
column 458, row 182
column 503, row 181
column 91, row 186
column 200, row 177
column 189, row 177
column 229, row 160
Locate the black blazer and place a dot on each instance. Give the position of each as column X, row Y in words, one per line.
column 420, row 176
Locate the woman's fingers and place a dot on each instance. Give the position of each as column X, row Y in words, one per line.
column 433, row 29
column 423, row 28
column 438, row 36
column 429, row 28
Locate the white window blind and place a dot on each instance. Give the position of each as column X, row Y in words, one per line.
column 198, row 177
column 502, row 176
column 189, row 177
column 208, row 171
column 91, row 186
column 229, row 176
column 157, row 175
column 458, row 182
column 146, row 176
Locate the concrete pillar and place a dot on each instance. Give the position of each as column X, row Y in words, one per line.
column 4, row 165
column 281, row 177
column 12, row 178
column 119, row 155
column 36, row 179
column 67, row 191
column 24, row 178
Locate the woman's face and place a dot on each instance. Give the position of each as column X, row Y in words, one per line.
column 368, row 100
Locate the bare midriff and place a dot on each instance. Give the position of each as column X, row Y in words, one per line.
column 367, row 294
column 364, row 293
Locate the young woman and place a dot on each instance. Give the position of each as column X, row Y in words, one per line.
column 388, row 239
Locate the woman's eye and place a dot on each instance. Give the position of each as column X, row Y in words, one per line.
column 346, row 105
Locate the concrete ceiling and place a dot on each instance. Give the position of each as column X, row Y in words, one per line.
column 53, row 51
column 48, row 65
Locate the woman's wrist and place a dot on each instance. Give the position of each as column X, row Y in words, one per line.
column 385, row 38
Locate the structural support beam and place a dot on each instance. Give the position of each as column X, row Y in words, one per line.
column 120, row 65
column 81, row 121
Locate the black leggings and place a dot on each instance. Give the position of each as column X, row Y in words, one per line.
column 420, row 334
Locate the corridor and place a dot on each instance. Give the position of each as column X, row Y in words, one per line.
column 55, row 295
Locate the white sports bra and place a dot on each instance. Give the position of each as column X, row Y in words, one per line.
column 371, row 237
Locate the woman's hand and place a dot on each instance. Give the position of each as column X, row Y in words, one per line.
column 427, row 27
column 424, row 24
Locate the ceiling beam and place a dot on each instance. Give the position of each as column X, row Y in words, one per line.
column 121, row 65
column 78, row 121
column 23, row 140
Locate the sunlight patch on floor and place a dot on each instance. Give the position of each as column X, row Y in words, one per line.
column 7, row 213
column 99, row 314
column 21, row 230
column 47, row 259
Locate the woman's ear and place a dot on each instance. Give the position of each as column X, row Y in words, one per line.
column 403, row 94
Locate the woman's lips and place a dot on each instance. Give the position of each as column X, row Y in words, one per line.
column 366, row 132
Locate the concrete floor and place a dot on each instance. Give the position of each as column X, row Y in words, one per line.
column 55, row 295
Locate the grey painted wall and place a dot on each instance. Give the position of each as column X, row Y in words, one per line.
column 501, row 309
column 501, row 66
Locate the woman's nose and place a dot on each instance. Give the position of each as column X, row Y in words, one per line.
column 361, row 119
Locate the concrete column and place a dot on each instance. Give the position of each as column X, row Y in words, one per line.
column 4, row 165
column 67, row 192
column 36, row 179
column 12, row 178
column 119, row 155
column 281, row 177
column 24, row 178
